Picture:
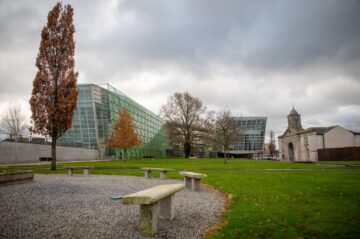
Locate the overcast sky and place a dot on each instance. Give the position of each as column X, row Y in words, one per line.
column 256, row 57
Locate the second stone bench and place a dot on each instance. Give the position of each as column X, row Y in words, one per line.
column 192, row 180
column 71, row 168
column 163, row 172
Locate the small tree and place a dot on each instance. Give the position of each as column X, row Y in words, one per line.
column 13, row 122
column 187, row 119
column 272, row 143
column 226, row 131
column 124, row 135
column 54, row 94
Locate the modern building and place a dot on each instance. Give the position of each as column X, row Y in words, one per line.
column 250, row 139
column 317, row 143
column 96, row 112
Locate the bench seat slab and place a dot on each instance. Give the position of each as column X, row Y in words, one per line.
column 158, row 169
column 152, row 195
column 193, row 175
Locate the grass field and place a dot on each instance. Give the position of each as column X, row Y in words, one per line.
column 310, row 203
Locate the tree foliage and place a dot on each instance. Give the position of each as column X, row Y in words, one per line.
column 187, row 120
column 124, row 135
column 54, row 93
column 13, row 122
column 226, row 131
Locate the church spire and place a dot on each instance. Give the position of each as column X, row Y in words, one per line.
column 294, row 121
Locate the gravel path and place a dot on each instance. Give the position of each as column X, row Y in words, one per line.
column 58, row 206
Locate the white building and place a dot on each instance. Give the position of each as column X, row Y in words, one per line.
column 298, row 144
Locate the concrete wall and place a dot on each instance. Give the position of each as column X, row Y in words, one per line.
column 357, row 140
column 17, row 153
column 339, row 137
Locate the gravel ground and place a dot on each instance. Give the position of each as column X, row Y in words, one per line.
column 58, row 206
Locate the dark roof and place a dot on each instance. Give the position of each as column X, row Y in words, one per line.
column 293, row 112
column 321, row 130
column 357, row 133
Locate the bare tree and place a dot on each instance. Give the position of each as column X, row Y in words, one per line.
column 226, row 131
column 272, row 143
column 13, row 122
column 54, row 94
column 187, row 120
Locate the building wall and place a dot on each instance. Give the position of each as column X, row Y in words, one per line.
column 307, row 150
column 314, row 143
column 284, row 146
column 339, row 137
column 251, row 135
column 357, row 140
column 17, row 153
column 96, row 112
column 303, row 151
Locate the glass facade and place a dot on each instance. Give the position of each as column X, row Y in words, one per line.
column 252, row 134
column 96, row 112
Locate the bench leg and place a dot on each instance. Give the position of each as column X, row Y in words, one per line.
column 187, row 182
column 86, row 172
column 147, row 174
column 149, row 219
column 167, row 208
column 70, row 171
column 163, row 175
column 195, row 184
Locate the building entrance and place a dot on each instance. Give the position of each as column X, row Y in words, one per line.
column 291, row 152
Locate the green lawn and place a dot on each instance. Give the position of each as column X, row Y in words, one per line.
column 265, row 204
column 355, row 163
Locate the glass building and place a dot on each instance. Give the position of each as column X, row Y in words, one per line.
column 97, row 110
column 250, row 139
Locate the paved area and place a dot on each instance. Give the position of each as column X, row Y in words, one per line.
column 57, row 206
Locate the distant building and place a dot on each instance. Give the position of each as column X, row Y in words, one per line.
column 317, row 143
column 96, row 112
column 251, row 136
column 267, row 152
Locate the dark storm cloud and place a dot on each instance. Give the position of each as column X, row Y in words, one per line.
column 264, row 34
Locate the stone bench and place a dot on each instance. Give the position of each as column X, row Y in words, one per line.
column 163, row 172
column 192, row 180
column 8, row 178
column 71, row 168
column 47, row 159
column 156, row 202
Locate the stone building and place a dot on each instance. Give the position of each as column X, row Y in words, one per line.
column 298, row 144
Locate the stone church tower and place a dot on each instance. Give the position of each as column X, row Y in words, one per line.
column 294, row 122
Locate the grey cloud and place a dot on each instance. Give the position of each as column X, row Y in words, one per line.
column 256, row 57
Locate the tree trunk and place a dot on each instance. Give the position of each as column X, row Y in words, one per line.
column 53, row 154
column 225, row 155
column 187, row 148
column 125, row 154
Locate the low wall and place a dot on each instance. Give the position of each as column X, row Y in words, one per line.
column 17, row 153
column 14, row 177
column 339, row 154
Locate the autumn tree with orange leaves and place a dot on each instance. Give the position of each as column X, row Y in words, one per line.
column 124, row 135
column 54, row 93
